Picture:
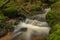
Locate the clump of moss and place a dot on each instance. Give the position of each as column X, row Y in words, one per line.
column 3, row 26
column 36, row 7
column 6, row 11
column 55, row 33
column 11, row 9
column 53, row 19
column 53, row 15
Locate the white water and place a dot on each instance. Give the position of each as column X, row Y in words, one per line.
column 36, row 24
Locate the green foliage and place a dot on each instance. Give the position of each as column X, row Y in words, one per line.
column 10, row 4
column 3, row 24
column 4, row 28
column 20, row 0
column 55, row 32
column 6, row 8
column 36, row 7
column 55, row 27
column 9, row 26
column 2, row 2
column 53, row 18
column 54, row 36
column 2, row 18
column 55, row 6
column 11, row 9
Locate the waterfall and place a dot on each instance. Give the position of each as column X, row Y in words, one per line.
column 34, row 25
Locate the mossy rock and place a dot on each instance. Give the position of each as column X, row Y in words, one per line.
column 3, row 32
column 4, row 27
column 53, row 19
column 2, row 18
column 55, row 27
column 2, row 2
column 11, row 9
column 53, row 15
column 36, row 7
column 56, row 6
column 54, row 36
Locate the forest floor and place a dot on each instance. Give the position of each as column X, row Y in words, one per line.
column 7, row 36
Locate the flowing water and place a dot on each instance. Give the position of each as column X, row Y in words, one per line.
column 36, row 25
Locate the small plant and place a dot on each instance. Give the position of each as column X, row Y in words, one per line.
column 2, row 18
column 54, row 36
column 36, row 7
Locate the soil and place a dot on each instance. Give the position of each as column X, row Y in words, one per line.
column 7, row 36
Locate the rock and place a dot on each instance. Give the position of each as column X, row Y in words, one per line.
column 3, row 33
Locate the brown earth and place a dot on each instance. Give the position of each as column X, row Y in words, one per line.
column 6, row 37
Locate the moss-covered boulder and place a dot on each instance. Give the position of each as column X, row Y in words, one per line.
column 55, row 27
column 53, row 19
column 55, row 33
column 54, row 36
column 11, row 12
column 3, row 31
column 53, row 16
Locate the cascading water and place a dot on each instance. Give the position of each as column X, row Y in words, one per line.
column 34, row 25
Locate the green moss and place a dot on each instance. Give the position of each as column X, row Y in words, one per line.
column 55, row 5
column 55, row 33
column 53, row 17
column 11, row 9
column 4, row 27
column 54, row 36
column 11, row 3
column 2, row 2
column 20, row 1
column 55, row 27
column 2, row 18
column 36, row 7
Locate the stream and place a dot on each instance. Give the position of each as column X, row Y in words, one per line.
column 35, row 25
